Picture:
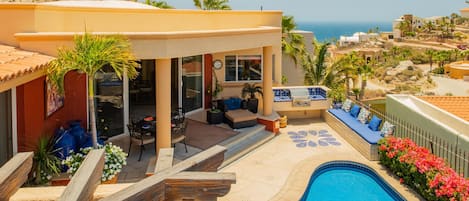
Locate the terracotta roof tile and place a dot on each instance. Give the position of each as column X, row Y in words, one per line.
column 457, row 105
column 15, row 63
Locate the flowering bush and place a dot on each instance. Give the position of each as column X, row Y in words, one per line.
column 426, row 173
column 114, row 160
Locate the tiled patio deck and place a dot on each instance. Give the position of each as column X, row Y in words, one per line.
column 281, row 168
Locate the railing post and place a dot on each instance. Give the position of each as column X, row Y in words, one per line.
column 14, row 173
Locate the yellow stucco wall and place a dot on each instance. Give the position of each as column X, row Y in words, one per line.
column 51, row 18
column 455, row 71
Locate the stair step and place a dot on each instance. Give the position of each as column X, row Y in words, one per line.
column 245, row 144
column 246, row 132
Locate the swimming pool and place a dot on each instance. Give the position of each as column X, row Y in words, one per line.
column 348, row 181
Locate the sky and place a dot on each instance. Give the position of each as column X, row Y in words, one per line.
column 344, row 10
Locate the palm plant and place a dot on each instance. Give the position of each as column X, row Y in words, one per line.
column 90, row 55
column 431, row 54
column 158, row 4
column 365, row 71
column 405, row 27
column 316, row 70
column 212, row 4
column 348, row 67
column 251, row 90
column 429, row 26
column 292, row 43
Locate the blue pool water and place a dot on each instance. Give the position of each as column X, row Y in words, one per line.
column 348, row 181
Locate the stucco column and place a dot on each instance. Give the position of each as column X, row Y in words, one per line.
column 163, row 103
column 267, row 80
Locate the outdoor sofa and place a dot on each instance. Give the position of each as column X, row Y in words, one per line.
column 358, row 134
column 236, row 114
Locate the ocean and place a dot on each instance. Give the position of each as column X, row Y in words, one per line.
column 325, row 31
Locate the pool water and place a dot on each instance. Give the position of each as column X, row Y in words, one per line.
column 348, row 182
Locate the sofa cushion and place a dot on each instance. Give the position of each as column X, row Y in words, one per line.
column 374, row 123
column 362, row 130
column 233, row 103
column 354, row 111
column 240, row 115
column 363, row 115
column 347, row 105
column 387, row 129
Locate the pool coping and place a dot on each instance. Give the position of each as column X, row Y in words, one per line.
column 298, row 179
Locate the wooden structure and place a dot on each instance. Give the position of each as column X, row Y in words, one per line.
column 195, row 178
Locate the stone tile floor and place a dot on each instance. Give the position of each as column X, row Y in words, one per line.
column 281, row 168
column 135, row 170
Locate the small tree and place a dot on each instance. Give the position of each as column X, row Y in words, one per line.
column 212, row 4
column 158, row 4
column 90, row 54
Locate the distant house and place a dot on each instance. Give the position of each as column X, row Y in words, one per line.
column 458, row 70
column 464, row 12
column 357, row 38
column 415, row 22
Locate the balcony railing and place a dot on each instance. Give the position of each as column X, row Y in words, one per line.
column 456, row 155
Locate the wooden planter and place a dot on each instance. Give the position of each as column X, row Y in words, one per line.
column 252, row 105
column 214, row 117
column 63, row 180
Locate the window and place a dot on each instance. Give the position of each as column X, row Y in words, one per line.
column 243, row 68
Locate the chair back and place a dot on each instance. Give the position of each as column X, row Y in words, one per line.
column 179, row 115
column 133, row 132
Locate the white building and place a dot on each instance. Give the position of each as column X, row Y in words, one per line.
column 356, row 38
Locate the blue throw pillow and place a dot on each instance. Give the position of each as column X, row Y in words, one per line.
column 354, row 111
column 374, row 123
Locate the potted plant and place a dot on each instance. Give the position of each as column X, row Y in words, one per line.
column 45, row 163
column 114, row 160
column 250, row 91
column 337, row 94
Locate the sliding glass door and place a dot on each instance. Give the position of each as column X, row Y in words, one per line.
column 192, row 83
column 6, row 146
column 109, row 103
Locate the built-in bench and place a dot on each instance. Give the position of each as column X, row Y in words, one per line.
column 353, row 131
column 300, row 98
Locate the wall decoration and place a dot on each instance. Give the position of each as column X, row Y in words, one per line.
column 54, row 101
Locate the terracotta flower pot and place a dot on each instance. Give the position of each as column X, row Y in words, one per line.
column 112, row 181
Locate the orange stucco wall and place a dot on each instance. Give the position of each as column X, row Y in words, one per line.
column 32, row 122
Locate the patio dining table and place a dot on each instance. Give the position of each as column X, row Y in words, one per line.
column 148, row 124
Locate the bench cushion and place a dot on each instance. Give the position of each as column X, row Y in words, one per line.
column 374, row 123
column 367, row 134
column 240, row 115
column 354, row 111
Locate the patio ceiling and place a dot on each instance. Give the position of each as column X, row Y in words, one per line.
column 151, row 45
column 18, row 66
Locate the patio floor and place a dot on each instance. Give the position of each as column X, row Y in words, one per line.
column 281, row 168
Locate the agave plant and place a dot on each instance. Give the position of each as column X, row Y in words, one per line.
column 45, row 162
column 251, row 90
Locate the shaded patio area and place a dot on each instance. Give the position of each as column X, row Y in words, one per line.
column 200, row 136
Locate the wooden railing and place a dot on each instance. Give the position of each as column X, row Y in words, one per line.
column 14, row 173
column 195, row 178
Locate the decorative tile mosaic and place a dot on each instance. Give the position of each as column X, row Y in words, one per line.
column 312, row 138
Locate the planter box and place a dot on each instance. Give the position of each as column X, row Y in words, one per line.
column 214, row 117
